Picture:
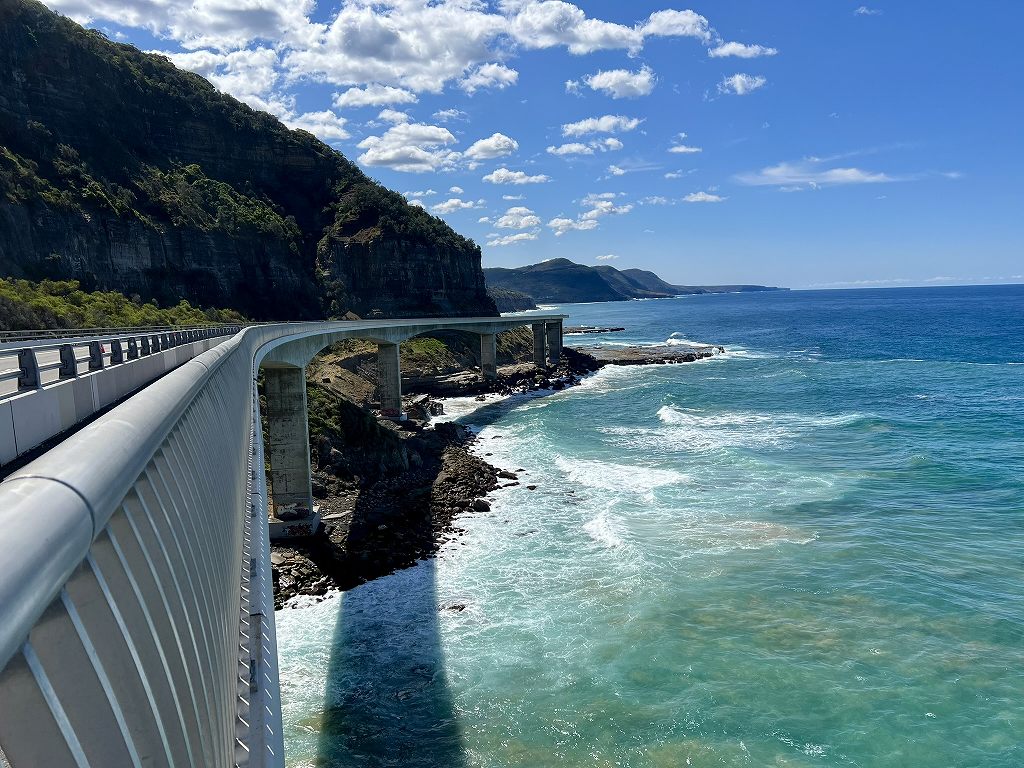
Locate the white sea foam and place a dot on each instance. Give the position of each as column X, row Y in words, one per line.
column 602, row 530
column 628, row 478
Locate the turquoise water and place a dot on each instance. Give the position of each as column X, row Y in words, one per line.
column 808, row 551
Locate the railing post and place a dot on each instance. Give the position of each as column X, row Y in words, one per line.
column 68, row 364
column 389, row 379
column 554, row 341
column 539, row 358
column 116, row 352
column 95, row 356
column 145, row 346
column 133, row 349
column 29, row 376
column 288, row 440
column 489, row 355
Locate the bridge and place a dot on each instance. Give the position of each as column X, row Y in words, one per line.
column 136, row 605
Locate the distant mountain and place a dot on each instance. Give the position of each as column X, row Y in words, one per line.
column 561, row 281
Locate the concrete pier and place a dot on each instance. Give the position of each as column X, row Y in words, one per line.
column 288, row 443
column 489, row 355
column 554, row 342
column 539, row 357
column 389, row 379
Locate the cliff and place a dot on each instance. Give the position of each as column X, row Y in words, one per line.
column 562, row 281
column 124, row 173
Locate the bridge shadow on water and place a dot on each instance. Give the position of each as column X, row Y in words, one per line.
column 387, row 698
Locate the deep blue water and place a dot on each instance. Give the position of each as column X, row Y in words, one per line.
column 806, row 551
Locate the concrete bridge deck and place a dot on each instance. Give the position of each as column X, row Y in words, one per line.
column 136, row 612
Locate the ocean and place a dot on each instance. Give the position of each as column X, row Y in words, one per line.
column 807, row 551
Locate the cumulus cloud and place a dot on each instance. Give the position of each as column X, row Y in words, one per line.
column 396, row 116
column 595, row 206
column 456, row 190
column 505, row 176
column 741, row 84
column 518, row 217
column 496, row 145
column 615, row 170
column 560, row 225
column 603, row 124
column 448, row 115
column 374, row 95
column 455, row 204
column 811, row 173
column 740, row 51
column 412, row 147
column 519, row 237
column 608, row 144
column 863, row 10
column 489, row 76
column 621, row 83
column 703, row 197
column 606, row 257
column 679, row 148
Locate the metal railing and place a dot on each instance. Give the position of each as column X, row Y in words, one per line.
column 136, row 600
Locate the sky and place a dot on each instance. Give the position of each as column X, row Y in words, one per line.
column 803, row 143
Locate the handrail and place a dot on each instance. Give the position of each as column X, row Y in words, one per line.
column 136, row 611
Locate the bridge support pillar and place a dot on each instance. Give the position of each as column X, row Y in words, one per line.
column 288, row 444
column 554, row 342
column 489, row 356
column 389, row 379
column 539, row 358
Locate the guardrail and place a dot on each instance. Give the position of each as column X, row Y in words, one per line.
column 136, row 599
column 46, row 388
column 7, row 337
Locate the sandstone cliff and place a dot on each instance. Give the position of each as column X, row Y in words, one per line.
column 125, row 173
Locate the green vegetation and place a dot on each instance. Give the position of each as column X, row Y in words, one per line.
column 25, row 305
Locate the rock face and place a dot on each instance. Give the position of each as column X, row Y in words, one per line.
column 123, row 172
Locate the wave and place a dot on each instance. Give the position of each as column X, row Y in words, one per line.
column 670, row 414
column 602, row 530
column 628, row 478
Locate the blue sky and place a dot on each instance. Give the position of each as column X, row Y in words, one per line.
column 818, row 143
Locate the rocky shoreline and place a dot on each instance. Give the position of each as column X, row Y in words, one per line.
column 397, row 498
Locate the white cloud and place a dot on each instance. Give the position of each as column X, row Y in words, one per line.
column 561, row 225
column 865, row 11
column 606, row 257
column 615, row 170
column 518, row 217
column 595, row 205
column 519, row 237
column 741, row 84
column 497, row 145
column 574, row 148
column 703, row 197
column 513, row 197
column 418, row 203
column 325, row 124
column 676, row 174
column 741, row 51
column 603, row 124
column 374, row 95
column 608, row 144
column 811, row 173
column 489, row 76
column 623, row 84
column 412, row 147
column 683, row 149
column 447, row 115
column 572, row 86
column 484, row 220
column 505, row 176
column 456, row 190
column 424, row 193
column 678, row 24
column 655, row 200
column 393, row 116
column 455, row 204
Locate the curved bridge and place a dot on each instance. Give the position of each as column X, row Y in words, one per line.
column 136, row 605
